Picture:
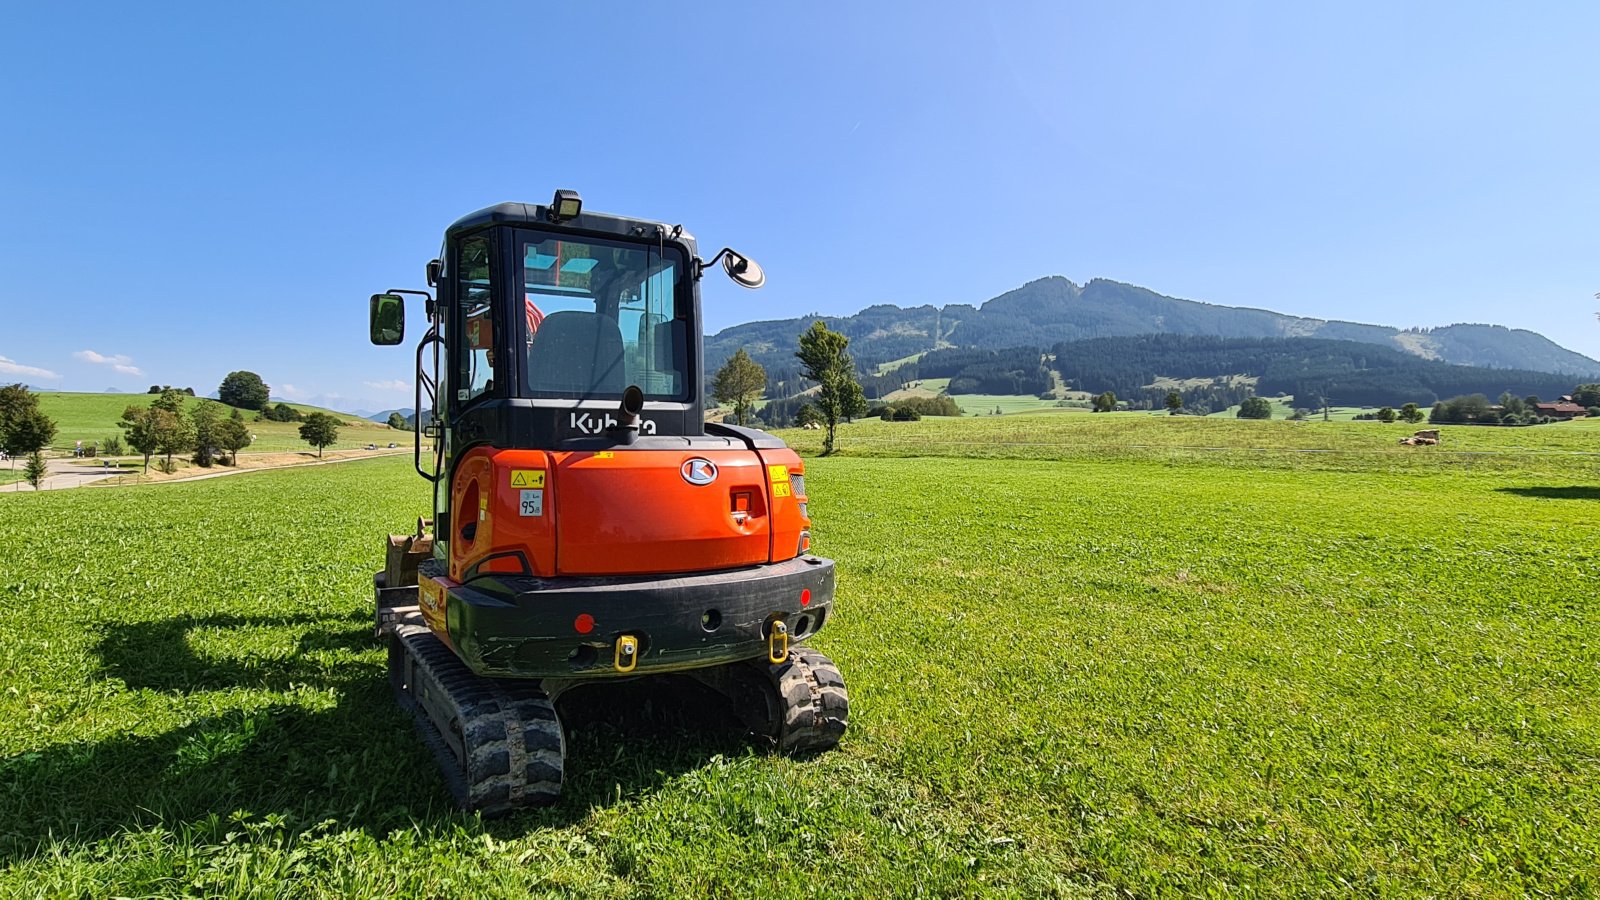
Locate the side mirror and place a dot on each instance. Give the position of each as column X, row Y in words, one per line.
column 743, row 270
column 388, row 319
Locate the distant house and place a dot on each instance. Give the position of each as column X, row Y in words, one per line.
column 1565, row 409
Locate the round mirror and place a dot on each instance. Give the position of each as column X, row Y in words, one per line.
column 744, row 271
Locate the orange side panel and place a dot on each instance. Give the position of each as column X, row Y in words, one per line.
column 788, row 520
column 509, row 496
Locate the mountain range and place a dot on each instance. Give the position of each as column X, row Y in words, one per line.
column 1052, row 310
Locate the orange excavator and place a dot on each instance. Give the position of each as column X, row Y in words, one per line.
column 587, row 523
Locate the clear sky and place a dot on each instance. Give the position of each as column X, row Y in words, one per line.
column 188, row 190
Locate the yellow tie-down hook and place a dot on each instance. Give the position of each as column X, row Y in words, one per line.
column 778, row 642
column 627, row 655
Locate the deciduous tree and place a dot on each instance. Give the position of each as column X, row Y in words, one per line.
column 824, row 354
column 1255, row 408
column 1387, row 414
column 319, row 430
column 398, row 422
column 232, row 435
column 24, row 428
column 741, row 381
column 243, row 389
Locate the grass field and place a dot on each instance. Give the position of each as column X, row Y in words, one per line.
column 1158, row 672
column 94, row 417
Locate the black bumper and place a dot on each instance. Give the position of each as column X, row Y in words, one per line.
column 532, row 627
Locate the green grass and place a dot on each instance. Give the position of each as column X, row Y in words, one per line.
column 1151, row 673
column 94, row 417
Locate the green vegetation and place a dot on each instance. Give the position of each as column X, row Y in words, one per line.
column 827, row 362
column 24, row 427
column 1154, row 672
column 244, row 390
column 319, row 430
column 1048, row 311
column 740, row 383
column 92, row 418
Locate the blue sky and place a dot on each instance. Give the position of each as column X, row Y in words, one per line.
column 188, row 190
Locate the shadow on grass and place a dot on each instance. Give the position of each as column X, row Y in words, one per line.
column 1555, row 492
column 357, row 761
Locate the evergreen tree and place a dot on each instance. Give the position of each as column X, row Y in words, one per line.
column 36, row 470
column 741, row 381
column 1174, row 402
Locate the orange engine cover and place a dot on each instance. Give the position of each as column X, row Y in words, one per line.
column 623, row 512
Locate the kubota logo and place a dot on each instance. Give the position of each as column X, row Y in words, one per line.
column 699, row 471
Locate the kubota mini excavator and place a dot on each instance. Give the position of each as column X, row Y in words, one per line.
column 587, row 522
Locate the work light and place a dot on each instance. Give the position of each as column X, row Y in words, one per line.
column 566, row 205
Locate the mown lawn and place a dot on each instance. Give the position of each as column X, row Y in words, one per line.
column 1071, row 676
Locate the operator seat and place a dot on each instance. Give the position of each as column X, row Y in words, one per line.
column 576, row 352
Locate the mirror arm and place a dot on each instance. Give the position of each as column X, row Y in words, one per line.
column 701, row 265
column 432, row 337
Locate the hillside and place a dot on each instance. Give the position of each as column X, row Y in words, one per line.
column 1052, row 310
column 93, row 417
column 1345, row 372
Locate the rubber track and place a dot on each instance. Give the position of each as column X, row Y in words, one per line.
column 816, row 706
column 512, row 738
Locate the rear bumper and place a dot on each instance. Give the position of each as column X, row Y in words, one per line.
column 530, row 627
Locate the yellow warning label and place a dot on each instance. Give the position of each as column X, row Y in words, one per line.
column 780, row 489
column 527, row 478
column 605, row 454
column 777, row 474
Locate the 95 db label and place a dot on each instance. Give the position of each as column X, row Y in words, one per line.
column 532, row 503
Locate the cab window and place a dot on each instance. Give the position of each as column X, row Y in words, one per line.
column 475, row 299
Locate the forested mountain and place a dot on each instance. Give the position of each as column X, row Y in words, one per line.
column 1052, row 310
column 1347, row 373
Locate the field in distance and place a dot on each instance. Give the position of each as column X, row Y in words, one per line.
column 93, row 417
column 1103, row 674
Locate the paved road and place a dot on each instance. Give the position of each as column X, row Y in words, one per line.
column 63, row 474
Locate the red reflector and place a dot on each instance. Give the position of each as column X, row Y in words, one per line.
column 584, row 623
column 805, row 597
column 741, row 501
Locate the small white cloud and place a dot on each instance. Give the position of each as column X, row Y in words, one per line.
column 117, row 361
column 393, row 384
column 289, row 390
column 11, row 367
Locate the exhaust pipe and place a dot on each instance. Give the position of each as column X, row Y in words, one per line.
column 627, row 431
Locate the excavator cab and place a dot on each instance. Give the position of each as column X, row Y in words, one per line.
column 587, row 523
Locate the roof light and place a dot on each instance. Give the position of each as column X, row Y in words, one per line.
column 566, row 205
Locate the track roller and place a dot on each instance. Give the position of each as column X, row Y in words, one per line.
column 498, row 742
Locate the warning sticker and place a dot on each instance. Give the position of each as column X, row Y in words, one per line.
column 532, row 503
column 778, row 473
column 527, row 478
column 780, row 489
column 605, row 454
